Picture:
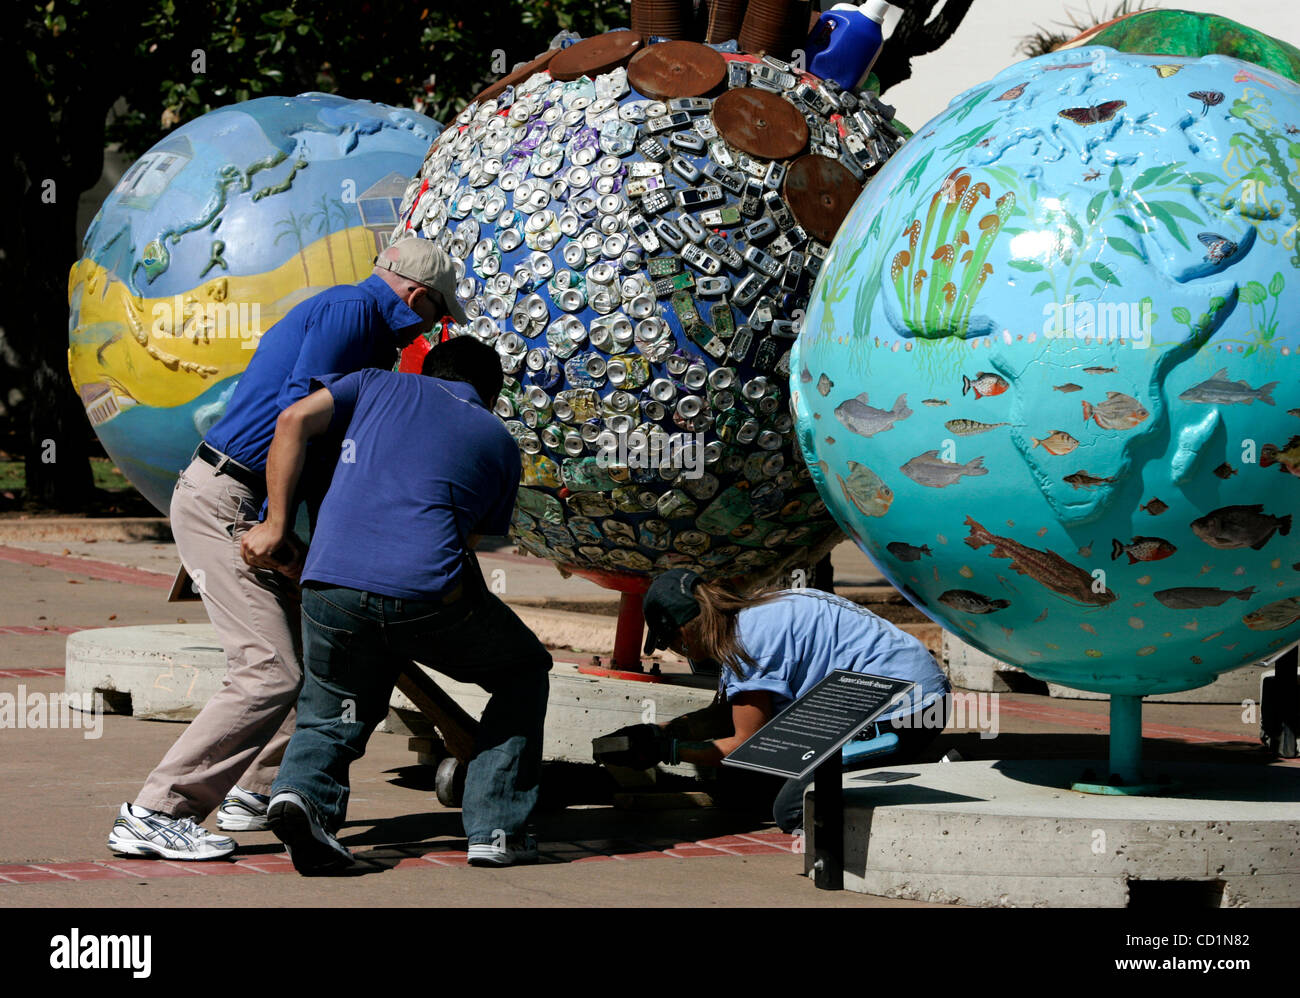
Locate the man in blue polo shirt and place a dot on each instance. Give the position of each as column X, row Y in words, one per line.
column 242, row 731
column 425, row 469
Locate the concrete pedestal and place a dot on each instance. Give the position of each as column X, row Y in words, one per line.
column 1011, row 834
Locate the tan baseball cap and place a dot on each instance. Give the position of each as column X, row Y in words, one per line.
column 421, row 261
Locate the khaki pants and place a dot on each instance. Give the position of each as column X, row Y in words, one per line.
column 242, row 732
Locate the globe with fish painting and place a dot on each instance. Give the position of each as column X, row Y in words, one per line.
column 206, row 242
column 1047, row 380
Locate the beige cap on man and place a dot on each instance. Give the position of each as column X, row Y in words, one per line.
column 419, row 260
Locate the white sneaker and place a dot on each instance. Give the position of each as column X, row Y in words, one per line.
column 243, row 811
column 516, row 851
column 141, row 832
column 311, row 847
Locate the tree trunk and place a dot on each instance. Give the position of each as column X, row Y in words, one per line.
column 56, row 153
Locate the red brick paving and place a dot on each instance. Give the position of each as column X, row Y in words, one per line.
column 587, row 851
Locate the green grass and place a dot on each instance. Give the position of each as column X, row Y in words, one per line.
column 107, row 476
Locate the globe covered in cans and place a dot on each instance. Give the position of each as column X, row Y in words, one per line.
column 1047, row 381
column 207, row 241
column 636, row 229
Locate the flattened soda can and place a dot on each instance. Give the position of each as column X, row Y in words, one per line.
column 584, row 403
column 654, row 535
column 637, row 369
column 702, row 488
column 692, row 542
column 577, row 374
column 675, row 503
column 620, row 533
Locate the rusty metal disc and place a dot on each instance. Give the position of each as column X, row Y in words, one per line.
column 676, row 69
column 596, row 55
column 518, row 75
column 760, row 123
column 820, row 191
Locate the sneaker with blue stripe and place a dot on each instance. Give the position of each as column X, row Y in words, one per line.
column 243, row 811
column 139, row 831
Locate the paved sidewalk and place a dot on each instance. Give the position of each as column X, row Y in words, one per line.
column 60, row 790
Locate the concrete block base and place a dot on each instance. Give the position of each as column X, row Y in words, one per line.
column 169, row 671
column 162, row 672
column 1012, row 834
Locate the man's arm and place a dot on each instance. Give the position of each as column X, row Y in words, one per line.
column 307, row 418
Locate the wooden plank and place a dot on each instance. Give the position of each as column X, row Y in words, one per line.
column 458, row 729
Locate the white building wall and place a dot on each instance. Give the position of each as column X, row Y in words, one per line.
column 991, row 32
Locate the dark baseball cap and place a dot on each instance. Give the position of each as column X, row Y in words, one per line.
column 669, row 605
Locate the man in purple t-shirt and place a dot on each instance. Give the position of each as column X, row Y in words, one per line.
column 425, row 469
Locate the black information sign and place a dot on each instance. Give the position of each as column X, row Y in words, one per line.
column 804, row 734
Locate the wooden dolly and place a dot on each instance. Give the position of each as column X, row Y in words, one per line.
column 457, row 729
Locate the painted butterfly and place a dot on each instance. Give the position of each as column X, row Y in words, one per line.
column 1094, row 114
column 1166, row 69
column 1208, row 98
column 1013, row 93
column 1217, row 248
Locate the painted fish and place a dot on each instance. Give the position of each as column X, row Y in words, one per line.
column 1058, row 443
column 1141, row 549
column 1217, row 248
column 865, row 489
column 1199, row 597
column 908, row 552
column 927, row 469
column 984, row 384
column 1218, row 390
column 1081, row 479
column 1286, row 458
column 934, row 403
column 824, row 385
column 1293, row 412
column 1240, row 527
column 867, row 421
column 1155, row 507
column 1068, row 387
column 1100, row 370
column 1045, row 567
column 968, row 427
column 972, row 602
column 1275, row 616
column 1226, row 471
column 1118, row 412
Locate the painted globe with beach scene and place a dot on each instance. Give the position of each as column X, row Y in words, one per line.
column 1047, row 381
column 207, row 241
column 636, row 229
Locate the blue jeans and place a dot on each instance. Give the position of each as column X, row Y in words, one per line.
column 354, row 646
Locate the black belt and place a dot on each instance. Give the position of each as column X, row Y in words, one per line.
column 227, row 466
